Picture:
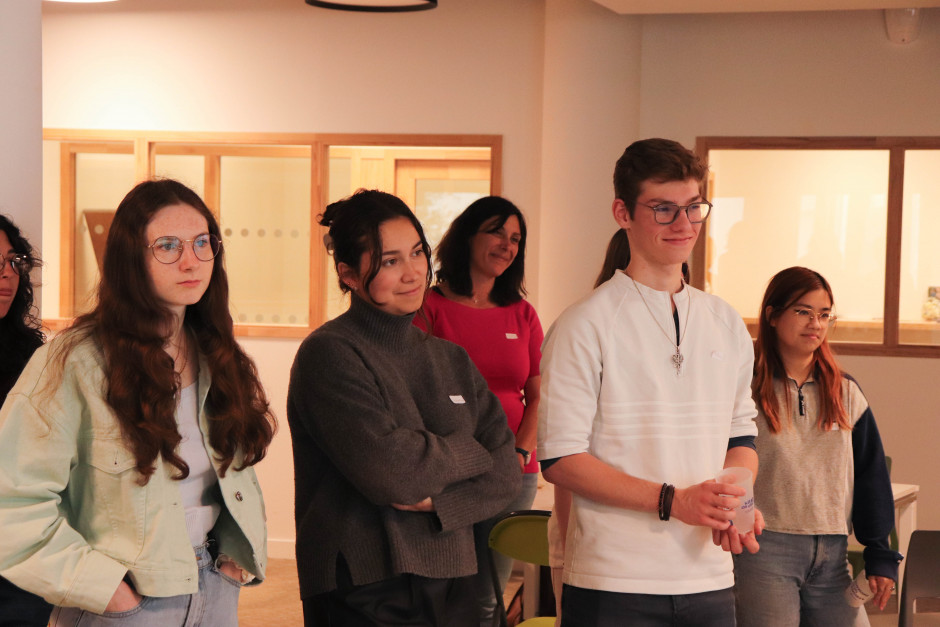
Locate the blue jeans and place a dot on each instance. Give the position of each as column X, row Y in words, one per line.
column 582, row 607
column 481, row 533
column 795, row 581
column 215, row 605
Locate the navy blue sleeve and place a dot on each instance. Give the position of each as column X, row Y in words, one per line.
column 873, row 500
column 547, row 463
column 746, row 441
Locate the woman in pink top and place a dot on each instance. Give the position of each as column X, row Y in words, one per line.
column 478, row 304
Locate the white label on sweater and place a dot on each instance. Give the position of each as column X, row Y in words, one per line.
column 512, row 336
column 457, row 399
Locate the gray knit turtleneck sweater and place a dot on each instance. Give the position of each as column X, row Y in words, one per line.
column 382, row 413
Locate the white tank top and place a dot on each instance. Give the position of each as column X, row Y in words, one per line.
column 198, row 490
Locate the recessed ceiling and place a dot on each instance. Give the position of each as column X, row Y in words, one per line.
column 629, row 7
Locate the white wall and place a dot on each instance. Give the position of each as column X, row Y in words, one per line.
column 21, row 116
column 590, row 113
column 567, row 83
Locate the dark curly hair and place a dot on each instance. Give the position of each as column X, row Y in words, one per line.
column 20, row 333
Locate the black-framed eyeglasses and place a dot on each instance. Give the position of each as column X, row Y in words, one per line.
column 169, row 248
column 805, row 315
column 667, row 212
column 20, row 264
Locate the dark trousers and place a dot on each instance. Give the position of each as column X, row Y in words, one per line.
column 581, row 607
column 403, row 600
column 19, row 608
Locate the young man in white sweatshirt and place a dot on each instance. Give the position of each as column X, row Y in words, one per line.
column 645, row 398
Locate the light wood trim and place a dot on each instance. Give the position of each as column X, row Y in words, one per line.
column 496, row 165
column 413, row 153
column 875, row 349
column 107, row 148
column 362, row 139
column 164, row 148
column 247, row 330
column 143, row 158
column 812, row 143
column 67, row 230
column 145, row 145
column 319, row 197
column 181, row 137
column 699, row 262
column 893, row 231
column 212, row 182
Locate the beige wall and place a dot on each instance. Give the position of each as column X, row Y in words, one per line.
column 567, row 83
column 471, row 66
column 21, row 116
column 828, row 73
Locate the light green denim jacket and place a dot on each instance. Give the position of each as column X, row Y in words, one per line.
column 73, row 519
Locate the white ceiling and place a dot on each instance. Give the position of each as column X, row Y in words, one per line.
column 627, row 7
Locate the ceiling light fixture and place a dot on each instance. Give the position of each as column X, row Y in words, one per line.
column 375, row 6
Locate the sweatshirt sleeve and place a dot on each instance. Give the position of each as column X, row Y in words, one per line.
column 571, row 381
column 873, row 500
column 386, row 454
column 41, row 552
column 745, row 411
column 485, row 495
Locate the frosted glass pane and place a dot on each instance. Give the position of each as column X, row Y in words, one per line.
column 919, row 311
column 101, row 182
column 823, row 209
column 265, row 219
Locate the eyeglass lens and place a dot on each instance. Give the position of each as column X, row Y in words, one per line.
column 169, row 248
column 668, row 213
column 18, row 263
column 809, row 315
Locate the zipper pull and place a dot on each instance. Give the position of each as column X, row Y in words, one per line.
column 799, row 392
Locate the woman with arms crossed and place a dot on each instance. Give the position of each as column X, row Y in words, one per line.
column 478, row 304
column 823, row 470
column 126, row 489
column 399, row 446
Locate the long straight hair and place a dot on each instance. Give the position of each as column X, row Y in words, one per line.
column 785, row 289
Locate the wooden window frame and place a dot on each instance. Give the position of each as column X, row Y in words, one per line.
column 896, row 147
column 148, row 144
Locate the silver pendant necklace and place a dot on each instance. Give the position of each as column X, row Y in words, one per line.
column 677, row 358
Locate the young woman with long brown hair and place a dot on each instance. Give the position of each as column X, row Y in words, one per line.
column 823, row 470
column 126, row 446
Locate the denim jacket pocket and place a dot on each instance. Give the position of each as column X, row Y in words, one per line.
column 109, row 503
column 111, row 456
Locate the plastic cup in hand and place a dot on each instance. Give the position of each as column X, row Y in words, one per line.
column 743, row 478
column 859, row 593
